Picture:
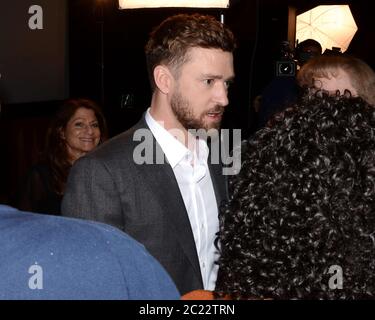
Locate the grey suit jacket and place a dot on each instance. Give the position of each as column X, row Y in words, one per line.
column 142, row 200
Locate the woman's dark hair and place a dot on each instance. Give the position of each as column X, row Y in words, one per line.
column 56, row 153
column 303, row 202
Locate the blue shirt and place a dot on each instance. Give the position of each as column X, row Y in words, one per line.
column 49, row 257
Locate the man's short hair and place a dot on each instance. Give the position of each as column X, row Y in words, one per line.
column 170, row 41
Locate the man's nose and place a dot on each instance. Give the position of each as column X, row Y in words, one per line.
column 221, row 94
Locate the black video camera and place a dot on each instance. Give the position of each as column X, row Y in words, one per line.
column 286, row 66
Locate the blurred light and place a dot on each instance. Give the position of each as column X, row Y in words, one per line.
column 331, row 26
column 134, row 4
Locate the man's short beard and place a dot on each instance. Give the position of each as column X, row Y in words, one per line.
column 184, row 114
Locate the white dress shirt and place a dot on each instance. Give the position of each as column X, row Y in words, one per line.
column 195, row 184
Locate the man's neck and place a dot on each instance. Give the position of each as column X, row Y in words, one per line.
column 163, row 114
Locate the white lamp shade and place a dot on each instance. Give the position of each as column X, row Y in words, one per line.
column 331, row 26
column 135, row 4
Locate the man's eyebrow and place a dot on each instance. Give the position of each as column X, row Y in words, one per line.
column 219, row 77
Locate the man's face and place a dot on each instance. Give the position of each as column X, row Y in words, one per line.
column 201, row 89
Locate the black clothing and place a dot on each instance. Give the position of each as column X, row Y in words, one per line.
column 37, row 194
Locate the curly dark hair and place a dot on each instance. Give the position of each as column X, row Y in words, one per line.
column 303, row 201
column 56, row 154
column 170, row 41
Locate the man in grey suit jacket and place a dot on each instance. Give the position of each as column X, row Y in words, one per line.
column 168, row 201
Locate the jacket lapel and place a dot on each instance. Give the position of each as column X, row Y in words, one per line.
column 171, row 202
column 219, row 182
column 174, row 209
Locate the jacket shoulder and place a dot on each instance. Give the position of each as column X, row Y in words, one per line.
column 124, row 143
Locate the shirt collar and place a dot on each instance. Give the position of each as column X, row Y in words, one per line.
column 173, row 149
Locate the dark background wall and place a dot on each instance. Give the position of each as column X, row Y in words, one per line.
column 33, row 62
column 89, row 48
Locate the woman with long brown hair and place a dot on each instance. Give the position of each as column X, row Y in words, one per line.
column 77, row 128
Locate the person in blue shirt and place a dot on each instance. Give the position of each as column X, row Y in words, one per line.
column 48, row 257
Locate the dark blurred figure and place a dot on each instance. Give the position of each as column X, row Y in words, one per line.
column 307, row 50
column 283, row 90
column 77, row 128
column 302, row 207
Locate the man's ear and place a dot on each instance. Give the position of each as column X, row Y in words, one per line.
column 164, row 79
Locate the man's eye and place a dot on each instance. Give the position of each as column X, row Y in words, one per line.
column 209, row 81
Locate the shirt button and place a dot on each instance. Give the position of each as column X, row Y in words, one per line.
column 203, row 265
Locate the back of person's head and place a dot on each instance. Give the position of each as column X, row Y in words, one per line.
column 170, row 42
column 302, row 203
column 56, row 153
column 358, row 73
column 307, row 50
